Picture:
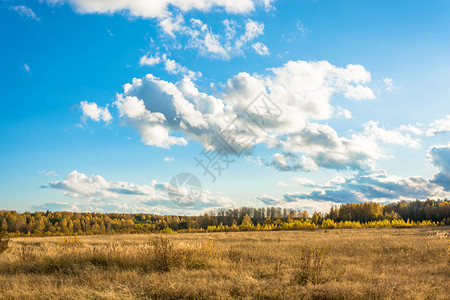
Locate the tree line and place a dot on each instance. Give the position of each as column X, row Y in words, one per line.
column 349, row 215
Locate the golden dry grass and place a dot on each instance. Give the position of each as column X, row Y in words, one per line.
column 384, row 263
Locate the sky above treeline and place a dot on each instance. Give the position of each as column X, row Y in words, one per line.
column 297, row 104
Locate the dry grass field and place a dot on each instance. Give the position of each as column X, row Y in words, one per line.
column 384, row 263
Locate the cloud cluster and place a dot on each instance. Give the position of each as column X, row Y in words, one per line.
column 169, row 14
column 360, row 187
column 106, row 195
column 234, row 39
column 274, row 108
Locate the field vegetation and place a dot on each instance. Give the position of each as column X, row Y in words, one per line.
column 366, row 263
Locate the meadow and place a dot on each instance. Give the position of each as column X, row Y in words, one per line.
column 365, row 263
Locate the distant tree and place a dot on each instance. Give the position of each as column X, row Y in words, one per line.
column 247, row 221
column 4, row 226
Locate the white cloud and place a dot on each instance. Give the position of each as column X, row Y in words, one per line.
column 301, row 27
column 333, row 183
column 359, row 92
column 47, row 173
column 310, row 206
column 372, row 130
column 107, row 196
column 291, row 162
column 389, row 84
column 27, row 69
column 439, row 126
column 156, row 9
column 304, row 181
column 268, row 4
column 253, row 29
column 282, row 183
column 261, row 49
column 25, row 11
column 411, row 128
column 169, row 159
column 149, row 60
column 93, row 112
column 342, row 112
column 171, row 25
column 440, row 158
column 170, row 65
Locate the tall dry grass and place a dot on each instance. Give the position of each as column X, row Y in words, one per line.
column 336, row 264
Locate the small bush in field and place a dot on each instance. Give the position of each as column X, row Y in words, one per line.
column 311, row 264
column 165, row 256
column 163, row 253
column 4, row 242
column 70, row 242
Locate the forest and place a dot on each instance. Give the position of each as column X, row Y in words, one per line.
column 350, row 215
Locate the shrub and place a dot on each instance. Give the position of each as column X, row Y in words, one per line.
column 70, row 242
column 163, row 253
column 311, row 263
column 4, row 243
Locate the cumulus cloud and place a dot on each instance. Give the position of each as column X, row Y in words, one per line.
column 440, row 158
column 439, row 126
column 95, row 113
column 169, row 159
column 103, row 195
column 25, row 12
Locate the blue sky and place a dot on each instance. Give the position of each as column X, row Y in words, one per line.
column 103, row 103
